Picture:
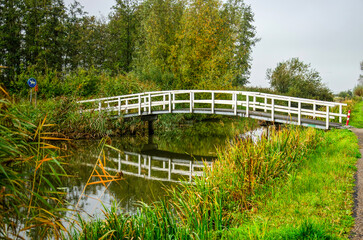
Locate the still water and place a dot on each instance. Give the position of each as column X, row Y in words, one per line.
column 147, row 165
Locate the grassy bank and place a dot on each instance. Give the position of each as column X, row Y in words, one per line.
column 356, row 119
column 297, row 184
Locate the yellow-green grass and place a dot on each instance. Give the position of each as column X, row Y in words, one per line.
column 314, row 202
column 356, row 119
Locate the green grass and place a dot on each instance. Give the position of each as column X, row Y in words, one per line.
column 356, row 117
column 314, row 202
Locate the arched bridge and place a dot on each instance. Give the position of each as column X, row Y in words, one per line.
column 262, row 106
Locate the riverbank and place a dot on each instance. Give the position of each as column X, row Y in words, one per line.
column 297, row 184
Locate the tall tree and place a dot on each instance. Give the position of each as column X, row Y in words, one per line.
column 295, row 78
column 122, row 35
column 10, row 40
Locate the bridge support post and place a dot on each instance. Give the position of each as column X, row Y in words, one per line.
column 150, row 119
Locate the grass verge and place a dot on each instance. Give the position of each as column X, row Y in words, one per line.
column 314, row 202
column 357, row 115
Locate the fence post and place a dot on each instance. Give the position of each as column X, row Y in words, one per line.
column 169, row 102
column 119, row 105
column 212, row 102
column 289, row 105
column 191, row 101
column 314, row 110
column 340, row 113
column 265, row 110
column 149, row 103
column 127, row 106
column 139, row 104
column 145, row 103
column 273, row 109
column 99, row 106
column 254, row 102
column 173, row 101
column 299, row 113
column 163, row 101
column 327, row 117
column 149, row 173
column 247, row 105
column 235, row 103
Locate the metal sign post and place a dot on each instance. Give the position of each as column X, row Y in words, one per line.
column 32, row 83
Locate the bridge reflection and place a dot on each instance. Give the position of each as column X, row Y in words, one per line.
column 159, row 165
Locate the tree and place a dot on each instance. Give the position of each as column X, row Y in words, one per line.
column 10, row 40
column 295, row 78
column 360, row 80
column 213, row 45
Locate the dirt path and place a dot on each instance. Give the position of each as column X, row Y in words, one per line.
column 357, row 232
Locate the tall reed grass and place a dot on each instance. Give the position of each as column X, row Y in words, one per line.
column 31, row 172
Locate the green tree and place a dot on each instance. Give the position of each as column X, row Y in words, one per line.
column 10, row 40
column 295, row 78
column 122, row 35
column 213, row 45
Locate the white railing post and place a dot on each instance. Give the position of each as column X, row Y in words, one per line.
column 139, row 104
column 212, row 103
column 127, row 106
column 289, row 105
column 272, row 109
column 327, row 117
column 99, row 106
column 149, row 173
column 119, row 161
column 164, row 102
column 247, row 105
column 254, row 102
column 191, row 95
column 145, row 97
column 149, row 103
column 139, row 167
column 169, row 170
column 191, row 171
column 314, row 110
column 265, row 110
column 299, row 113
column 119, row 105
column 169, row 102
column 235, row 103
column 173, row 101
column 340, row 113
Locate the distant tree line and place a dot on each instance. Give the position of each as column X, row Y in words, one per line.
column 176, row 43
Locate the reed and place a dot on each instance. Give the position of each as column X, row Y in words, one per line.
column 31, row 172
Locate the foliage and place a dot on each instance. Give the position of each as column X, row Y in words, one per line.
column 318, row 197
column 345, row 94
column 356, row 117
column 358, row 91
column 295, row 78
column 175, row 43
column 31, row 197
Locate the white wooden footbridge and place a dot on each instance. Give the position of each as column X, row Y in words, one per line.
column 262, row 106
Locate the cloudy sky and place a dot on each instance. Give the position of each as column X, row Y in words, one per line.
column 328, row 34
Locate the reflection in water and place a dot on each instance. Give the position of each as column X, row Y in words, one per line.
column 146, row 169
column 149, row 166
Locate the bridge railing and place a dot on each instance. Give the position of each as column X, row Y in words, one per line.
column 241, row 103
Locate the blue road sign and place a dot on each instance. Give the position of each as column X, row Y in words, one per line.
column 32, row 82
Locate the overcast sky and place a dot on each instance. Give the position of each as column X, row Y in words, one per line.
column 328, row 34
